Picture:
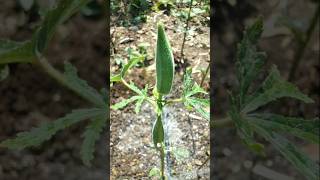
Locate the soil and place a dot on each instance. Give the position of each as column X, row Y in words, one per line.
column 132, row 152
column 30, row 97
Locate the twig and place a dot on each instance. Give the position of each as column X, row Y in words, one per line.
column 186, row 30
column 205, row 75
column 302, row 46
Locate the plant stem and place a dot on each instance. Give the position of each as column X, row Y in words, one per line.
column 302, row 46
column 186, row 30
column 221, row 123
column 59, row 77
column 161, row 150
column 171, row 101
column 205, row 75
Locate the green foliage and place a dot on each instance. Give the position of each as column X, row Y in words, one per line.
column 25, row 52
column 91, row 135
column 82, row 86
column 31, row 52
column 12, row 52
column 45, row 131
column 190, row 92
column 269, row 126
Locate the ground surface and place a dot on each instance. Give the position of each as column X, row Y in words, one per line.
column 29, row 97
column 131, row 152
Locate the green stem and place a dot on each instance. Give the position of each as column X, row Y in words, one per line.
column 172, row 101
column 186, row 30
column 161, row 150
column 302, row 46
column 205, row 75
column 60, row 78
column 221, row 123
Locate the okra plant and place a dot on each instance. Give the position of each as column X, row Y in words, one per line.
column 33, row 52
column 246, row 102
column 164, row 80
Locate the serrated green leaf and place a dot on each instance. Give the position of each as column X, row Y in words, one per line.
column 196, row 89
column 305, row 129
column 135, row 88
column 115, row 78
column 13, row 52
column 299, row 159
column 91, row 135
column 44, row 132
column 129, row 65
column 249, row 60
column 4, row 72
column 278, row 90
column 124, row 102
column 157, row 131
column 25, row 52
column 138, row 105
column 82, row 86
column 246, row 133
column 199, row 105
column 52, row 19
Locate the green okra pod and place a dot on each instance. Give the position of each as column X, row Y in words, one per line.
column 164, row 62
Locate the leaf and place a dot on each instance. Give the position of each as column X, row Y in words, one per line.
column 82, row 86
column 249, row 61
column 305, row 129
column 25, row 52
column 299, row 159
column 199, row 105
column 44, row 132
column 187, row 81
column 124, row 103
column 196, row 89
column 91, row 135
column 157, row 131
column 130, row 64
column 26, row 4
column 52, row 19
column 135, row 89
column 138, row 105
column 13, row 52
column 115, row 78
column 4, row 72
column 278, row 90
column 245, row 132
